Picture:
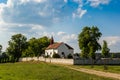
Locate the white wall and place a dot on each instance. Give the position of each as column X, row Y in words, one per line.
column 64, row 48
column 50, row 52
column 50, row 60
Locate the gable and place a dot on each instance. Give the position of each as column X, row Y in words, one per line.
column 69, row 47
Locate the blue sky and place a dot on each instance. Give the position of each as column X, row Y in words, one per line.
column 63, row 19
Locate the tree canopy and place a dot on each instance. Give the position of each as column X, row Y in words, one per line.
column 105, row 49
column 36, row 47
column 88, row 41
column 17, row 44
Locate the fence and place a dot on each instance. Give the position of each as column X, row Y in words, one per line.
column 114, row 61
column 71, row 61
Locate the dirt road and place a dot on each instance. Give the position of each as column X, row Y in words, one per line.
column 98, row 73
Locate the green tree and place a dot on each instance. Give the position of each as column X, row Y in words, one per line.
column 88, row 42
column 36, row 47
column 17, row 45
column 105, row 53
column 44, row 43
column 0, row 49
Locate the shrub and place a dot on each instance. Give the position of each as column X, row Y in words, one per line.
column 69, row 56
column 56, row 55
column 46, row 56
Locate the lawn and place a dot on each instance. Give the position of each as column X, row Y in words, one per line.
column 111, row 68
column 42, row 71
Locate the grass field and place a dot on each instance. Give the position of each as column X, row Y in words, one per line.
column 111, row 68
column 41, row 71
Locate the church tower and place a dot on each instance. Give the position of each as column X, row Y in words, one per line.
column 51, row 41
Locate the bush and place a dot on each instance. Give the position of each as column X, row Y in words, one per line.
column 69, row 56
column 56, row 55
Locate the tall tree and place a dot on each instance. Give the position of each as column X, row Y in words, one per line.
column 105, row 52
column 17, row 45
column 88, row 41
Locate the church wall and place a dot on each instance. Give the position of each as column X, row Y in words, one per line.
column 63, row 49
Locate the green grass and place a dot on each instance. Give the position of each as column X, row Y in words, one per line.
column 111, row 68
column 42, row 71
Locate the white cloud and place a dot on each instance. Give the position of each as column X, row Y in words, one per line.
column 113, row 43
column 10, row 3
column 111, row 40
column 79, row 1
column 42, row 14
column 56, row 20
column 24, row 1
column 60, row 33
column 40, row 1
column 60, row 36
column 37, row 27
column 79, row 13
column 95, row 3
column 20, row 28
column 65, row 1
column 36, row 1
column 48, row 34
column 68, row 38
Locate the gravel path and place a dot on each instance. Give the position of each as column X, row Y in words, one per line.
column 98, row 73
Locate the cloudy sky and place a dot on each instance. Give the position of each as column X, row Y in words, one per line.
column 64, row 19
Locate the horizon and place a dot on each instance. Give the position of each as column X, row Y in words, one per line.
column 62, row 19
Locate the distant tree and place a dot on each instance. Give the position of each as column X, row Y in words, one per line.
column 69, row 56
column 4, row 57
column 17, row 45
column 105, row 52
column 88, row 42
column 55, row 55
column 0, row 48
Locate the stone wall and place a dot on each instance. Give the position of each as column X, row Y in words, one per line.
column 51, row 60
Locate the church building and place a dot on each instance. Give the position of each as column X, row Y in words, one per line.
column 60, row 48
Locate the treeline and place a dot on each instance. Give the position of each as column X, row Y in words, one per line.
column 18, row 47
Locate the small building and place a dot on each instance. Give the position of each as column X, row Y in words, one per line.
column 60, row 48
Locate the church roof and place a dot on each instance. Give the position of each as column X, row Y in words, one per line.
column 56, row 45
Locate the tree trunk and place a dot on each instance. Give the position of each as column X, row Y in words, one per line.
column 92, row 63
column 105, row 66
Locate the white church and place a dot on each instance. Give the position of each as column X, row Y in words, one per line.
column 60, row 48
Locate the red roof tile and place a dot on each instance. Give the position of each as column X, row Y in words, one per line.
column 56, row 45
